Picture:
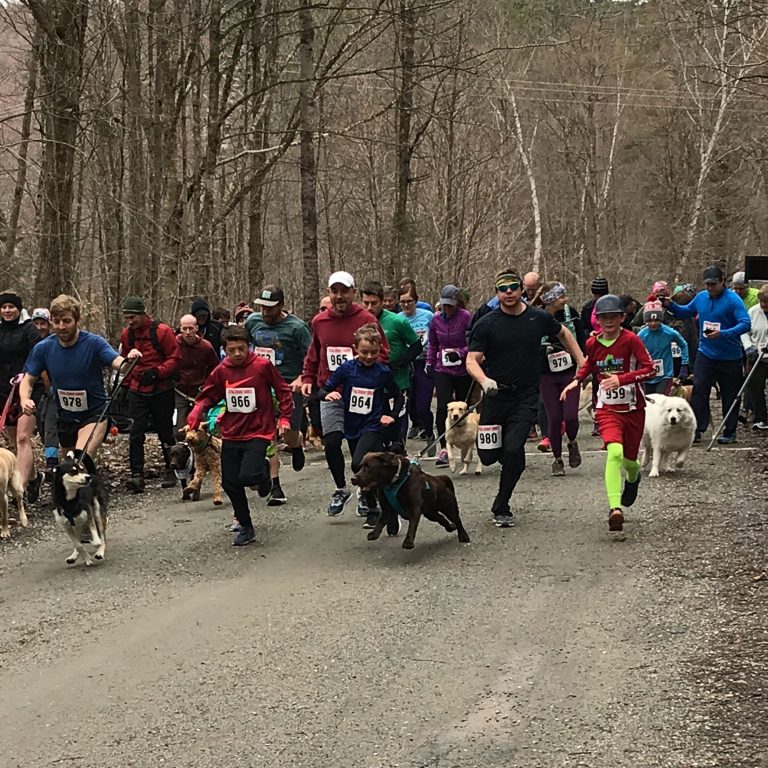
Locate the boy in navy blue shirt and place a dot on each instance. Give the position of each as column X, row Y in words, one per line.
column 370, row 397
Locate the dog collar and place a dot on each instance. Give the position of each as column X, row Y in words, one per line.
column 398, row 481
column 183, row 474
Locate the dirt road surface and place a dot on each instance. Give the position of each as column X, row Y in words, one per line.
column 547, row 645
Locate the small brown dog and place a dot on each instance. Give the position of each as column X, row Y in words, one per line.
column 403, row 488
column 10, row 481
column 207, row 459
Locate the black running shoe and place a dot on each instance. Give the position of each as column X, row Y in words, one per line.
column 245, row 537
column 276, row 498
column 629, row 494
column 297, row 459
column 33, row 487
column 371, row 518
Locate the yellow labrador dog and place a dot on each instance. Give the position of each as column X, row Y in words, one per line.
column 461, row 436
column 10, row 482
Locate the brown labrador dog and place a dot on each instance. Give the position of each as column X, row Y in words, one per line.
column 418, row 494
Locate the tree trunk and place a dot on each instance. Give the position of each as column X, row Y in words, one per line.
column 307, row 162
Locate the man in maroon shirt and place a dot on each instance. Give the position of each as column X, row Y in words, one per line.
column 333, row 336
column 150, row 386
column 198, row 359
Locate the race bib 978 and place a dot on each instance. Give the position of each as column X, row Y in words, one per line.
column 73, row 400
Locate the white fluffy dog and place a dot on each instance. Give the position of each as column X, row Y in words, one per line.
column 669, row 429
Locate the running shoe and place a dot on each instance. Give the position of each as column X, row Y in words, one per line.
column 558, row 468
column 297, row 459
column 234, row 526
column 371, row 518
column 629, row 494
column 277, row 497
column 726, row 439
column 504, row 521
column 760, row 426
column 245, row 537
column 544, row 445
column 442, row 459
column 394, row 525
column 431, row 446
column 574, row 455
column 362, row 506
column 616, row 520
column 697, row 437
column 338, row 500
column 33, row 487
column 413, row 433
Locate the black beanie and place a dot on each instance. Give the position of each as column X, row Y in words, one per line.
column 600, row 286
column 11, row 298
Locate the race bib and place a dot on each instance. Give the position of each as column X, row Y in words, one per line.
column 422, row 335
column 241, row 399
column 73, row 400
column 620, row 396
column 559, row 361
column 450, row 363
column 489, row 436
column 361, row 401
column 709, row 326
column 676, row 351
column 266, row 352
column 337, row 356
column 658, row 368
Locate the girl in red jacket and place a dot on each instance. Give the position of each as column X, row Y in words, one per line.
column 245, row 382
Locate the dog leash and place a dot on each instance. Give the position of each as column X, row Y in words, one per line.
column 181, row 394
column 7, row 407
column 107, row 405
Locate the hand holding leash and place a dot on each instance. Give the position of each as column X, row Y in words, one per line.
column 490, row 387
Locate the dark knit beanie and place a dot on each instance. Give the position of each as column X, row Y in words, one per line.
column 600, row 286
column 133, row 305
column 11, row 298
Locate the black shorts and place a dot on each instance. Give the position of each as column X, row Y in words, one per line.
column 67, row 430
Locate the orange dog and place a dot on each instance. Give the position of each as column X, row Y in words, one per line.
column 207, row 453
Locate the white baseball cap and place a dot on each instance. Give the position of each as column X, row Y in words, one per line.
column 341, row 277
column 739, row 278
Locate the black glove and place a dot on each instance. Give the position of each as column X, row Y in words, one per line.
column 149, row 377
column 453, row 356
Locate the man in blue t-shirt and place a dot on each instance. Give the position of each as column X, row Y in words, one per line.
column 74, row 361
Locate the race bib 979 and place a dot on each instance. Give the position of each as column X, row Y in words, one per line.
column 559, row 361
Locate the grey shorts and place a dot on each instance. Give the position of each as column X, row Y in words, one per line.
column 332, row 416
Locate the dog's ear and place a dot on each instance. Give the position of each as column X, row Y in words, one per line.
column 88, row 463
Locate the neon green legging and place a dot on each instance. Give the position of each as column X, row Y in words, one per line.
column 613, row 466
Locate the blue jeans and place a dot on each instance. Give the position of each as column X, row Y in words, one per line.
column 729, row 377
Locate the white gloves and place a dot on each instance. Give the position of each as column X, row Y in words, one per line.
column 490, row 387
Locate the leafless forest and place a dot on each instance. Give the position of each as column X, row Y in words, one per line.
column 179, row 147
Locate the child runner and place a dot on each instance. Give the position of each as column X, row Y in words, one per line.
column 620, row 361
column 558, row 368
column 366, row 389
column 663, row 344
column 245, row 381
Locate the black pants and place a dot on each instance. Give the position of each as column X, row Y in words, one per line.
column 729, row 377
column 243, row 464
column 515, row 415
column 448, row 389
column 756, row 389
column 358, row 447
column 147, row 410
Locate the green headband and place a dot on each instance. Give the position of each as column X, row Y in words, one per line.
column 508, row 277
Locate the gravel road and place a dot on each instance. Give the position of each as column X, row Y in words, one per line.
column 549, row 644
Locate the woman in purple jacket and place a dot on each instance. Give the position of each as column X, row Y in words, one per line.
column 446, row 357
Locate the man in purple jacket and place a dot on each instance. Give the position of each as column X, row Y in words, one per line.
column 446, row 358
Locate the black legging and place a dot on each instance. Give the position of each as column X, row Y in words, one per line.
column 243, row 464
column 448, row 389
column 358, row 447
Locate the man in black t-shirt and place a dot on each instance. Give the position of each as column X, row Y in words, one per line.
column 503, row 358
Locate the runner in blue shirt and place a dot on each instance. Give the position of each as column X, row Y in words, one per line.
column 662, row 343
column 74, row 360
column 370, row 397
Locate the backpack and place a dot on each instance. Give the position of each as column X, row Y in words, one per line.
column 152, row 338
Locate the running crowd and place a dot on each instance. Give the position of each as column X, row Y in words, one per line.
column 366, row 369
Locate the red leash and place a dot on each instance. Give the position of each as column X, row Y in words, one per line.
column 7, row 407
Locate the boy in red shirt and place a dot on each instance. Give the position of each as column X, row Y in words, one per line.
column 620, row 361
column 245, row 382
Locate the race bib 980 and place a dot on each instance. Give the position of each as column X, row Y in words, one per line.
column 489, row 436
column 241, row 399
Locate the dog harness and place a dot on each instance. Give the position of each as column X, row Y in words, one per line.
column 390, row 491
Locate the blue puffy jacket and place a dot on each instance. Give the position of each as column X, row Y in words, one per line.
column 725, row 312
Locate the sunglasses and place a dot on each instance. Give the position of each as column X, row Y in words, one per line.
column 406, row 302
column 504, row 288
